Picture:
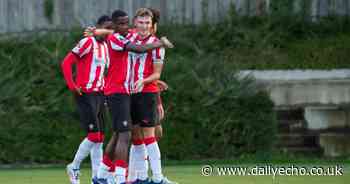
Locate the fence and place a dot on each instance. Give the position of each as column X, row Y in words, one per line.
column 29, row 15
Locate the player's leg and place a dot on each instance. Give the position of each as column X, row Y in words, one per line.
column 137, row 140
column 87, row 120
column 148, row 125
column 96, row 152
column 107, row 166
column 120, row 104
column 158, row 130
column 148, row 120
column 138, row 165
column 139, row 155
column 141, row 151
column 159, row 117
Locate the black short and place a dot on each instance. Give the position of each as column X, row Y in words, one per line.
column 144, row 109
column 91, row 111
column 119, row 106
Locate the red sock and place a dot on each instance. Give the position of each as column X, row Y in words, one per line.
column 108, row 162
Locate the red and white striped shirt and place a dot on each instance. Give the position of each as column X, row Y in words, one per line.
column 93, row 59
column 119, row 71
column 143, row 63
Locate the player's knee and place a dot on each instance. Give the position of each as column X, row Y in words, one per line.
column 148, row 132
column 136, row 133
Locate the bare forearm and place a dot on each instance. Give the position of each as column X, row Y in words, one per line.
column 143, row 48
column 98, row 32
column 151, row 78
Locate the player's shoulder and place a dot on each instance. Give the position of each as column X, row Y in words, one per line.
column 86, row 40
column 117, row 36
column 132, row 35
column 153, row 39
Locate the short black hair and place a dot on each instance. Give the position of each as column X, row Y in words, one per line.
column 118, row 13
column 103, row 19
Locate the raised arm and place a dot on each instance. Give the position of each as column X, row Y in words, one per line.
column 163, row 42
column 92, row 31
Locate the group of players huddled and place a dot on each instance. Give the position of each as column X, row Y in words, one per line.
column 119, row 67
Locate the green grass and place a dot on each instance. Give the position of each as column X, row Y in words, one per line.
column 189, row 174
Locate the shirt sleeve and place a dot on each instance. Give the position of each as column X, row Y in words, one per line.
column 118, row 42
column 158, row 55
column 83, row 47
column 66, row 66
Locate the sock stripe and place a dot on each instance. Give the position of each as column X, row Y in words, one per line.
column 121, row 163
column 137, row 142
column 108, row 162
column 96, row 137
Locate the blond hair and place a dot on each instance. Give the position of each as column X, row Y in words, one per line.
column 143, row 12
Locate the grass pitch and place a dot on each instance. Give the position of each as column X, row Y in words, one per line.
column 187, row 174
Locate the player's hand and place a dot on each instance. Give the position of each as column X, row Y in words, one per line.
column 160, row 111
column 78, row 91
column 162, row 85
column 166, row 43
column 89, row 31
column 138, row 86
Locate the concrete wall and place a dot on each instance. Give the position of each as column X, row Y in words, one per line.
column 324, row 96
column 306, row 88
column 28, row 15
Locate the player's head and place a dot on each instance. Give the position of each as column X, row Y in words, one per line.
column 104, row 22
column 120, row 22
column 155, row 20
column 143, row 21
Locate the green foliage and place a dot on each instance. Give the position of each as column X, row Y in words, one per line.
column 213, row 114
column 269, row 42
column 210, row 113
column 36, row 110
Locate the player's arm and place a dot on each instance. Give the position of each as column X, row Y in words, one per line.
column 80, row 50
column 163, row 86
column 158, row 60
column 66, row 66
column 163, row 42
column 157, row 70
column 120, row 43
column 92, row 31
column 160, row 107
